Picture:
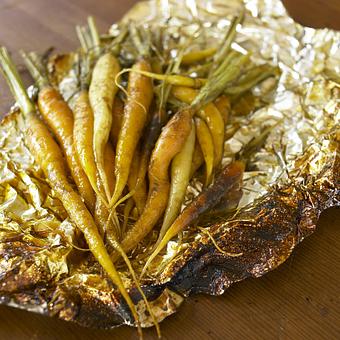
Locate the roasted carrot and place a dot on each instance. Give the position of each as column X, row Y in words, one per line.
column 83, row 138
column 210, row 115
column 59, row 118
column 47, row 154
column 139, row 96
column 170, row 142
column 102, row 94
column 84, row 119
column 206, row 200
column 205, row 141
column 180, row 176
column 168, row 145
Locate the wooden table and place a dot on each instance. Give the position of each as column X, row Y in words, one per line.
column 300, row 300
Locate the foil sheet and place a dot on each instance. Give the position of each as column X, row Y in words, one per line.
column 294, row 177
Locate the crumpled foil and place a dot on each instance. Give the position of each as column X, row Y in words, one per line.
column 294, row 177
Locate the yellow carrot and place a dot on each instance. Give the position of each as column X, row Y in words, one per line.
column 102, row 94
column 59, row 118
column 47, row 154
column 169, row 144
column 203, row 202
column 180, row 176
column 139, row 96
column 210, row 114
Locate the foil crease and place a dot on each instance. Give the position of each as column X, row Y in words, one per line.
column 294, row 177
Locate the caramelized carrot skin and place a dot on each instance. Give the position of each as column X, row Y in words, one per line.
column 208, row 198
column 170, row 142
column 59, row 117
column 203, row 202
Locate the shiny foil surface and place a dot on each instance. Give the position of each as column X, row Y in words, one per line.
column 294, row 176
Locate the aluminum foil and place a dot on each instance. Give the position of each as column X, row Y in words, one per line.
column 293, row 177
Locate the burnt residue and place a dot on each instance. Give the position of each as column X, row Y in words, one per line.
column 40, row 271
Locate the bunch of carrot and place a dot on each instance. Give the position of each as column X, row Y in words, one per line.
column 132, row 144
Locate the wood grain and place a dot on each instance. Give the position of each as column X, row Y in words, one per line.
column 300, row 300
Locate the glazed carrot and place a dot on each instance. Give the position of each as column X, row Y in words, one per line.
column 180, row 176
column 203, row 202
column 223, row 105
column 102, row 94
column 84, row 118
column 158, row 119
column 83, row 138
column 47, row 154
column 168, row 145
column 139, row 96
column 199, row 55
column 59, row 118
column 205, row 141
column 117, row 118
column 210, row 115
column 170, row 142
